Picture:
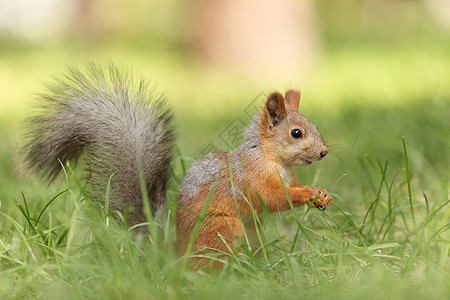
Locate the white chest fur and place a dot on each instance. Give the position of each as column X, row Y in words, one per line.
column 286, row 174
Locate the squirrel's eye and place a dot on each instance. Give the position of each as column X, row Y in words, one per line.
column 296, row 133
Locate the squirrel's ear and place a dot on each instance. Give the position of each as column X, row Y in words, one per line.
column 275, row 108
column 292, row 100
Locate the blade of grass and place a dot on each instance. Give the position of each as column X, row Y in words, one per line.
column 426, row 202
column 48, row 204
column 107, row 193
column 21, row 233
column 152, row 227
column 256, row 220
column 408, row 180
column 198, row 224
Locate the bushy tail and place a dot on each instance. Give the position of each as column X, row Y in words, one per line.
column 103, row 112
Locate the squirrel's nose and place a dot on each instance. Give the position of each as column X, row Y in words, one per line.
column 323, row 153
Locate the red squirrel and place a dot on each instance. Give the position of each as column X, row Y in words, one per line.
column 279, row 139
column 127, row 133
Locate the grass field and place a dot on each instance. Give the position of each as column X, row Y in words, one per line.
column 385, row 116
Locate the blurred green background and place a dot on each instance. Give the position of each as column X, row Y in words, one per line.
column 370, row 71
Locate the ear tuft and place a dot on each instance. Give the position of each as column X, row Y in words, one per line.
column 276, row 108
column 292, row 100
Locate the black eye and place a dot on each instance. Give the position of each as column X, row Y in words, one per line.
column 296, row 133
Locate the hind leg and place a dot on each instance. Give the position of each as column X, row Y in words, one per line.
column 217, row 236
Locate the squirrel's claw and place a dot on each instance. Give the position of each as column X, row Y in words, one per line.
column 324, row 199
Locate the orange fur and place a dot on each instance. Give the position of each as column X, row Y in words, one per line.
column 258, row 177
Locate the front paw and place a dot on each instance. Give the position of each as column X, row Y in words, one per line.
column 322, row 198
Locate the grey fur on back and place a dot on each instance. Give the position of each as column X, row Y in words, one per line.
column 210, row 167
column 121, row 128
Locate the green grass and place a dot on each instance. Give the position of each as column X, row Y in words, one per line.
column 386, row 236
column 385, row 118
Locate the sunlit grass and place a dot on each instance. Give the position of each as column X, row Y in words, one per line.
column 376, row 252
column 386, row 236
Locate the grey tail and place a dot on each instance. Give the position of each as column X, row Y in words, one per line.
column 118, row 125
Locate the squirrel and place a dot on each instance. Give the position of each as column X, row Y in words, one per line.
column 262, row 167
column 127, row 135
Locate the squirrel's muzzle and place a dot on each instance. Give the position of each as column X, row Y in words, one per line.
column 323, row 153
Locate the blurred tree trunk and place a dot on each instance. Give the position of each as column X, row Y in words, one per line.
column 440, row 10
column 273, row 37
